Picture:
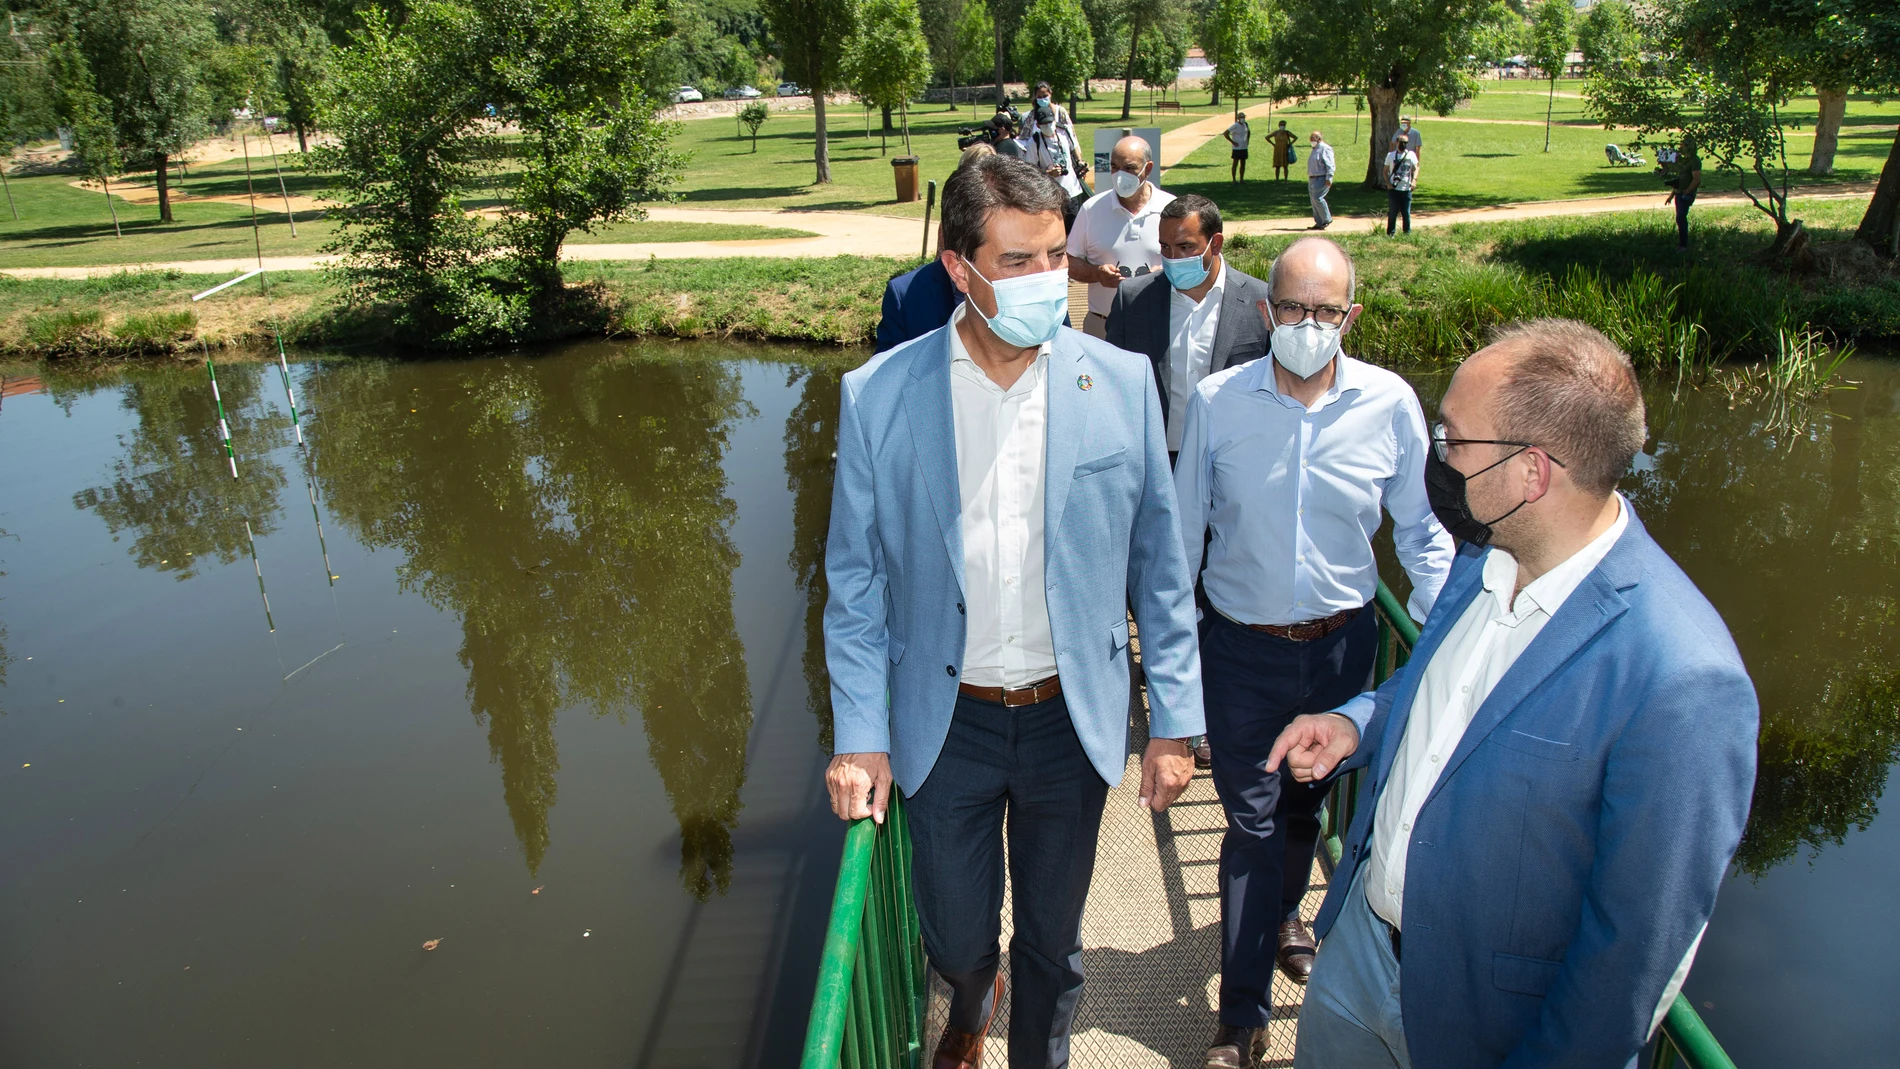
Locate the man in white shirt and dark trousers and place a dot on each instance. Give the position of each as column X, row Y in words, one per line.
column 1557, row 779
column 1288, row 461
column 1117, row 233
column 1319, row 179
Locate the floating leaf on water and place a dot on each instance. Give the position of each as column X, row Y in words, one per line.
column 537, row 890
column 432, row 944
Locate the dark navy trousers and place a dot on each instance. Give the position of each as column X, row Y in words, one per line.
column 1022, row 770
column 1254, row 685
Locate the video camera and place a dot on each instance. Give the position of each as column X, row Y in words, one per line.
column 1000, row 126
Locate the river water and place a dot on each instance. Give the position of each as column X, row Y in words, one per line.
column 520, row 655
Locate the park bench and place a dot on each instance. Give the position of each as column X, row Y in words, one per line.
column 1618, row 157
column 1164, row 105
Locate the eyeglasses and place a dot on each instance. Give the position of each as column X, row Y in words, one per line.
column 1441, row 445
column 1293, row 313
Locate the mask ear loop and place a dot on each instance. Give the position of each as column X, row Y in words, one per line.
column 1521, row 450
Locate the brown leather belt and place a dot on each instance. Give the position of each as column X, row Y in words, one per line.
column 1035, row 693
column 1308, row 630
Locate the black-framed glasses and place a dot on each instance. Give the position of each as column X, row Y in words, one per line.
column 1441, row 445
column 1293, row 313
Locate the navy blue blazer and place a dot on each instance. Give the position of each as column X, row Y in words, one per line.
column 916, row 303
column 1571, row 851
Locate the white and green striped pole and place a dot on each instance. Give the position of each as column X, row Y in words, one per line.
column 259, row 569
column 283, row 368
column 224, row 429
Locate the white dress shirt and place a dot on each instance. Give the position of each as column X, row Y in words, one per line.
column 1001, row 438
column 1478, row 649
column 1293, row 493
column 1319, row 162
column 1191, row 330
column 1107, row 233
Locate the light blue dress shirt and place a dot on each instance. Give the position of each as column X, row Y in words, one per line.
column 1292, row 495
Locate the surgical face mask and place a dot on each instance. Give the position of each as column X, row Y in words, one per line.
column 1445, row 490
column 1305, row 347
column 1029, row 308
column 1127, row 184
column 1185, row 273
column 1048, row 129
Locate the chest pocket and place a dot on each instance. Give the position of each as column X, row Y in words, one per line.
column 1536, row 746
column 1101, row 464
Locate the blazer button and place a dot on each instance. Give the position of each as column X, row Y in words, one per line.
column 950, row 669
column 959, row 608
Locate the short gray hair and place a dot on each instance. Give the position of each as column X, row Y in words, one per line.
column 980, row 186
column 1352, row 269
column 1570, row 390
column 1203, row 210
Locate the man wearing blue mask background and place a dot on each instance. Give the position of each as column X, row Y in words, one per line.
column 1197, row 318
column 1001, row 500
column 1287, row 462
column 1117, row 234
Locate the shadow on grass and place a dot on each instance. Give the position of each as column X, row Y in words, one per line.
column 719, row 193
column 1271, row 197
column 52, row 237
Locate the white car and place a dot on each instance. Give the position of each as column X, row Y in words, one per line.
column 790, row 89
column 686, row 94
column 743, row 92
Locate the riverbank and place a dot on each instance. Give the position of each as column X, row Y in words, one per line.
column 1429, row 297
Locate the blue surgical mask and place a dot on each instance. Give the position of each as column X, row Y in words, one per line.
column 1029, row 308
column 1185, row 273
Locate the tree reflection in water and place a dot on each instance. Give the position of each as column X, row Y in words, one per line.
column 811, row 436
column 574, row 514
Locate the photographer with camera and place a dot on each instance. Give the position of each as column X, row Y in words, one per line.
column 1052, row 150
column 1117, row 233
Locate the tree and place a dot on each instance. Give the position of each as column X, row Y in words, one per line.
column 1158, row 60
column 302, row 64
column 812, row 35
column 1151, row 17
column 1395, row 48
column 753, row 116
column 146, row 59
column 888, row 60
column 1238, row 40
column 87, row 114
column 960, row 41
column 1608, row 38
column 1869, row 31
column 1054, row 45
column 1550, row 46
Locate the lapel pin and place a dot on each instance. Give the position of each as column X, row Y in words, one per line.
column 1084, row 382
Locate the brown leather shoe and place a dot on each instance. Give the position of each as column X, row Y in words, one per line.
column 964, row 1050
column 1297, row 947
column 1236, row 1048
column 1203, row 753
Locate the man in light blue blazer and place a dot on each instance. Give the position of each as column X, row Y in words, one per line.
column 1558, row 777
column 1002, row 497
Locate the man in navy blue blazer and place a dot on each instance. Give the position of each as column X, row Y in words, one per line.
column 917, row 302
column 1559, row 776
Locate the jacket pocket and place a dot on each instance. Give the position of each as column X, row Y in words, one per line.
column 1536, row 746
column 1526, row 976
column 896, row 650
column 1102, row 463
column 1118, row 634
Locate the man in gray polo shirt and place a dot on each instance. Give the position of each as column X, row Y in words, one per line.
column 1319, row 179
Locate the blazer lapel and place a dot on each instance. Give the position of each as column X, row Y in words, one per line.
column 933, row 435
column 1068, row 419
column 1589, row 609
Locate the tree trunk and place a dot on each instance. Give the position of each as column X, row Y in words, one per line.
column 105, row 183
column 953, row 90
column 821, row 152
column 1550, row 104
column 1882, row 221
column 885, row 110
column 302, row 144
column 1002, row 94
column 1128, row 80
column 1384, row 104
column 163, row 171
column 1827, row 129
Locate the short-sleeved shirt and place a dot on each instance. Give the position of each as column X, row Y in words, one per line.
column 1241, row 133
column 1105, row 233
column 1414, row 139
column 1404, row 170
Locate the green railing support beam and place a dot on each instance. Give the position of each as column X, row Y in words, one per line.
column 1684, row 1031
column 824, row 1039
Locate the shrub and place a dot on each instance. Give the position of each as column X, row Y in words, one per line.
column 157, row 330
column 64, row 328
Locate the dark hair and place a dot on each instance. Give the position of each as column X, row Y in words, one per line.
column 1040, row 86
column 1572, row 391
column 1198, row 206
column 978, row 188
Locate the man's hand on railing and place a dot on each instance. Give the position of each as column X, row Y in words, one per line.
column 1166, row 768
column 1314, row 745
column 860, row 785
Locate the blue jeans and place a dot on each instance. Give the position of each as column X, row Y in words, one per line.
column 1252, row 685
column 1350, row 1019
column 1398, row 205
column 1026, row 765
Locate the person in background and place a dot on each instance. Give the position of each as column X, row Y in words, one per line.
column 1046, row 96
column 1401, row 177
column 1238, row 135
column 1053, row 152
column 1117, row 233
column 1557, row 779
column 921, row 300
column 1282, row 141
column 990, row 683
column 1287, row 462
column 1003, row 131
column 1412, row 137
column 1688, row 180
column 1319, row 179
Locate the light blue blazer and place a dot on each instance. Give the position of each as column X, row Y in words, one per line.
column 894, row 624
column 1572, row 849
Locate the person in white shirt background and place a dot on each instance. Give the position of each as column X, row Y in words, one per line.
column 1288, row 462
column 1045, row 95
column 1401, row 177
column 1117, row 233
column 1053, row 151
column 1319, row 179
column 1238, row 135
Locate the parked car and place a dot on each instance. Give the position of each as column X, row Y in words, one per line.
column 742, row 92
column 790, row 89
column 686, row 94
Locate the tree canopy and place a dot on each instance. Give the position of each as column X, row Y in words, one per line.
column 1054, row 45
column 888, row 60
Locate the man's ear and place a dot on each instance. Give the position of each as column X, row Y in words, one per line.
column 1352, row 316
column 1217, row 242
column 958, row 270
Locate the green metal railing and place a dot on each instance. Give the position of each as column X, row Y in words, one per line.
column 869, row 1009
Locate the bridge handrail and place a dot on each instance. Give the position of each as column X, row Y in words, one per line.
column 869, row 1006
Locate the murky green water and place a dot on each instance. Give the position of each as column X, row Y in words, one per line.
column 569, row 645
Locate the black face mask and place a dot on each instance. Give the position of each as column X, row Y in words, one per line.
column 1445, row 489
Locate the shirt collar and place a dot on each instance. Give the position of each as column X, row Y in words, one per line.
column 1548, row 592
column 1344, row 380
column 1219, row 287
column 961, row 355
